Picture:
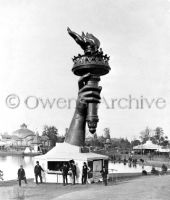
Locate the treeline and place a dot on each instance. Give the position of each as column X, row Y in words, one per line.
column 157, row 136
column 101, row 141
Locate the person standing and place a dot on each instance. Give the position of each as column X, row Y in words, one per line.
column 37, row 172
column 84, row 173
column 73, row 170
column 65, row 173
column 1, row 175
column 104, row 173
column 164, row 169
column 21, row 175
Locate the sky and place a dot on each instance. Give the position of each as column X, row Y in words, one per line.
column 36, row 63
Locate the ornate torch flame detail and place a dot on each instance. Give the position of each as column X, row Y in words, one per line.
column 93, row 61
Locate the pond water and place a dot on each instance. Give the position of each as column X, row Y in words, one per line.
column 10, row 165
column 121, row 168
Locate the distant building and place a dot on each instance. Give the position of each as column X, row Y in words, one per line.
column 23, row 138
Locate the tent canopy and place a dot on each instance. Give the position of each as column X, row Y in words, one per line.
column 65, row 151
column 164, row 150
column 148, row 145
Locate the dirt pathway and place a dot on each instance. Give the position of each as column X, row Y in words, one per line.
column 144, row 188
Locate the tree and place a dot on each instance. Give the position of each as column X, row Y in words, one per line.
column 101, row 141
column 159, row 137
column 135, row 142
column 107, row 133
column 124, row 143
column 51, row 132
column 145, row 135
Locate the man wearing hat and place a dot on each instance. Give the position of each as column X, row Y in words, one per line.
column 84, row 173
column 73, row 170
column 104, row 173
column 21, row 175
column 37, row 172
column 64, row 170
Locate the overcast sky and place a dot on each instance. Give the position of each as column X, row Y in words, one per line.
column 36, row 61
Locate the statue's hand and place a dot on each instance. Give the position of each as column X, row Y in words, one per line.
column 87, row 94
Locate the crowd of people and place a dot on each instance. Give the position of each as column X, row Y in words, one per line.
column 132, row 161
column 67, row 169
column 70, row 169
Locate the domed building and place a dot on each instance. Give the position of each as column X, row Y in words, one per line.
column 23, row 136
column 24, row 139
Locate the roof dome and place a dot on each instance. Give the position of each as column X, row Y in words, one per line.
column 23, row 132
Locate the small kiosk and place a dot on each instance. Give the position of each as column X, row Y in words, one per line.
column 53, row 160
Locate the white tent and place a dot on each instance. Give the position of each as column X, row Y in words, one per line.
column 164, row 150
column 148, row 145
column 53, row 160
column 27, row 150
